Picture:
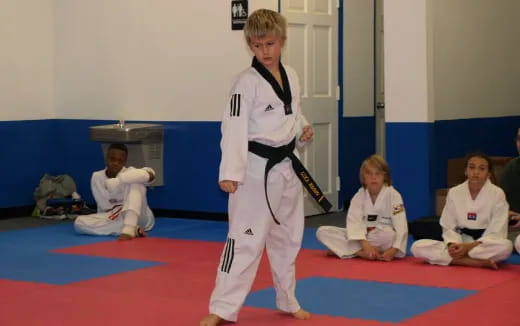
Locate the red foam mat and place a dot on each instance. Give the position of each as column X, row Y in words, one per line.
column 405, row 271
column 177, row 292
column 497, row 305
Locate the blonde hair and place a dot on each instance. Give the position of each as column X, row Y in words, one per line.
column 379, row 163
column 264, row 21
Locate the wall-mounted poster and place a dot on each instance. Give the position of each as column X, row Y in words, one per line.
column 238, row 14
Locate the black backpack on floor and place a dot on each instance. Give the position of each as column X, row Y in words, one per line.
column 426, row 228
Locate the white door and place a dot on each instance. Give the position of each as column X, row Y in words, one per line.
column 380, row 80
column 312, row 50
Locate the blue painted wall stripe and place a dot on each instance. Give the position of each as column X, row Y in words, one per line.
column 357, row 142
column 417, row 153
column 409, row 151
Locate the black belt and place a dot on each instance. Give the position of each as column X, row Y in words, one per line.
column 275, row 155
column 474, row 233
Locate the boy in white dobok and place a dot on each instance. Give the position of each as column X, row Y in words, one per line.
column 120, row 194
column 376, row 219
column 263, row 113
column 474, row 222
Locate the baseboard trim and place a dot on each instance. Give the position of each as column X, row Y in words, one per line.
column 190, row 214
column 12, row 212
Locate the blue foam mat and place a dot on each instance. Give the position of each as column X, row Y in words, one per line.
column 385, row 302
column 26, row 253
column 27, row 256
column 61, row 269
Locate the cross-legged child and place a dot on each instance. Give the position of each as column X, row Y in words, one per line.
column 376, row 220
column 474, row 222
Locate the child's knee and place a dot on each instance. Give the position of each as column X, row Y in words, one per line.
column 321, row 232
column 418, row 248
column 80, row 224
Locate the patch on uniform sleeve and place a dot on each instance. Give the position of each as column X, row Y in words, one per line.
column 234, row 105
column 398, row 209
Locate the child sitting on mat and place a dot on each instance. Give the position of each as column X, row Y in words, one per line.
column 474, row 222
column 376, row 220
column 120, row 194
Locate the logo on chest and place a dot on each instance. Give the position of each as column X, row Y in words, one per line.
column 472, row 216
column 269, row 108
column 372, row 218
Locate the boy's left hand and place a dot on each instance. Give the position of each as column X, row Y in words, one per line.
column 389, row 254
column 307, row 133
column 457, row 250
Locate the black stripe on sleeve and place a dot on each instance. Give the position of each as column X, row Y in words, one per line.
column 238, row 105
column 234, row 105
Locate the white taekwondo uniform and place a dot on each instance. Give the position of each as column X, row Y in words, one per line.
column 488, row 211
column 111, row 206
column 256, row 113
column 383, row 224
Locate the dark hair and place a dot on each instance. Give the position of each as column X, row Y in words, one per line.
column 481, row 155
column 119, row 146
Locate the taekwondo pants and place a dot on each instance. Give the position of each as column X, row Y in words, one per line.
column 436, row 252
column 102, row 224
column 251, row 229
column 335, row 238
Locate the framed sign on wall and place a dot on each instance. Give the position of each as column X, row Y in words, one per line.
column 238, row 14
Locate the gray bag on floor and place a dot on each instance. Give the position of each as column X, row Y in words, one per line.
column 54, row 196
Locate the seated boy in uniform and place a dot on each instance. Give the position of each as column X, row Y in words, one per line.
column 120, row 194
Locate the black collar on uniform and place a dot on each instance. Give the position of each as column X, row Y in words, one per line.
column 285, row 93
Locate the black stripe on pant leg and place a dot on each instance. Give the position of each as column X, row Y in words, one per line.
column 226, row 256
column 232, row 255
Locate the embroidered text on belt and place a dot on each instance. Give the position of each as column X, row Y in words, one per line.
column 275, row 155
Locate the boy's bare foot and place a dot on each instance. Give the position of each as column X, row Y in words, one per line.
column 302, row 314
column 489, row 263
column 210, row 320
column 330, row 253
column 125, row 236
column 467, row 261
column 139, row 233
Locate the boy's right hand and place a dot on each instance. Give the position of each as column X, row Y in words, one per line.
column 457, row 250
column 370, row 252
column 228, row 185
